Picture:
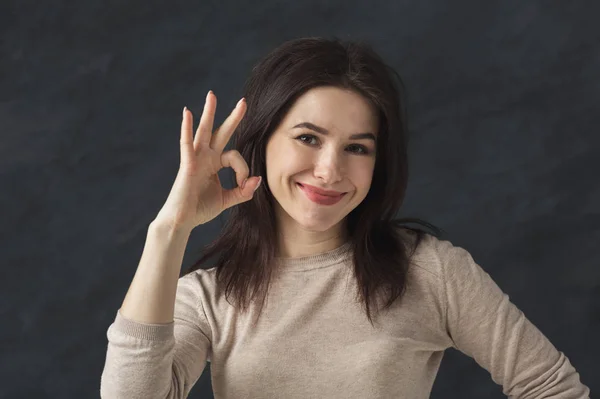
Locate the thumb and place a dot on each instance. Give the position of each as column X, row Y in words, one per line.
column 238, row 195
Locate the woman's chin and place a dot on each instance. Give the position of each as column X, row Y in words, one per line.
column 314, row 224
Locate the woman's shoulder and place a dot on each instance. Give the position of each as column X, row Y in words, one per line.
column 417, row 241
column 435, row 255
column 425, row 250
column 199, row 278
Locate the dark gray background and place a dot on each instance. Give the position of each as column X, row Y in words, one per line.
column 503, row 106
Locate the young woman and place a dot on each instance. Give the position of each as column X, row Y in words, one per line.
column 310, row 251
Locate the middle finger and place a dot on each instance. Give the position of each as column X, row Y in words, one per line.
column 223, row 134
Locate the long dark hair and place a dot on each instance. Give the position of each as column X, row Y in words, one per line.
column 246, row 256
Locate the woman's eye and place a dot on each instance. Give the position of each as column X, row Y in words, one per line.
column 362, row 150
column 305, row 135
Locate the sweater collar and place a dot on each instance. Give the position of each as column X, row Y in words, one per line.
column 316, row 261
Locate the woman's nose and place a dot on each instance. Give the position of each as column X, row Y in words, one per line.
column 329, row 168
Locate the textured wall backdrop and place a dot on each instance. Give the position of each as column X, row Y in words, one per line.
column 504, row 112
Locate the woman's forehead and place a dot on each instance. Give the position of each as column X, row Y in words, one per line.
column 333, row 109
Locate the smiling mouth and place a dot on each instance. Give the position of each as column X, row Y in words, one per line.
column 324, row 193
column 319, row 198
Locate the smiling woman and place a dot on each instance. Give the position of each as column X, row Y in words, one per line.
column 335, row 161
column 329, row 115
column 319, row 244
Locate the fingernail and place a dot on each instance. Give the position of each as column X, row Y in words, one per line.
column 183, row 114
column 239, row 102
column 208, row 94
column 259, row 181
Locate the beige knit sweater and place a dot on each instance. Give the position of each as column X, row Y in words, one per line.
column 314, row 340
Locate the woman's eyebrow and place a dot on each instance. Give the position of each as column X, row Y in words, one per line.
column 324, row 131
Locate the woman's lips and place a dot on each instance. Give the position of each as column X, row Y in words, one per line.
column 318, row 198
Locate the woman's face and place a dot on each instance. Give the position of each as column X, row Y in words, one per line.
column 331, row 161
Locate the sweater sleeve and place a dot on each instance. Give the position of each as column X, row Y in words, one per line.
column 158, row 360
column 486, row 326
